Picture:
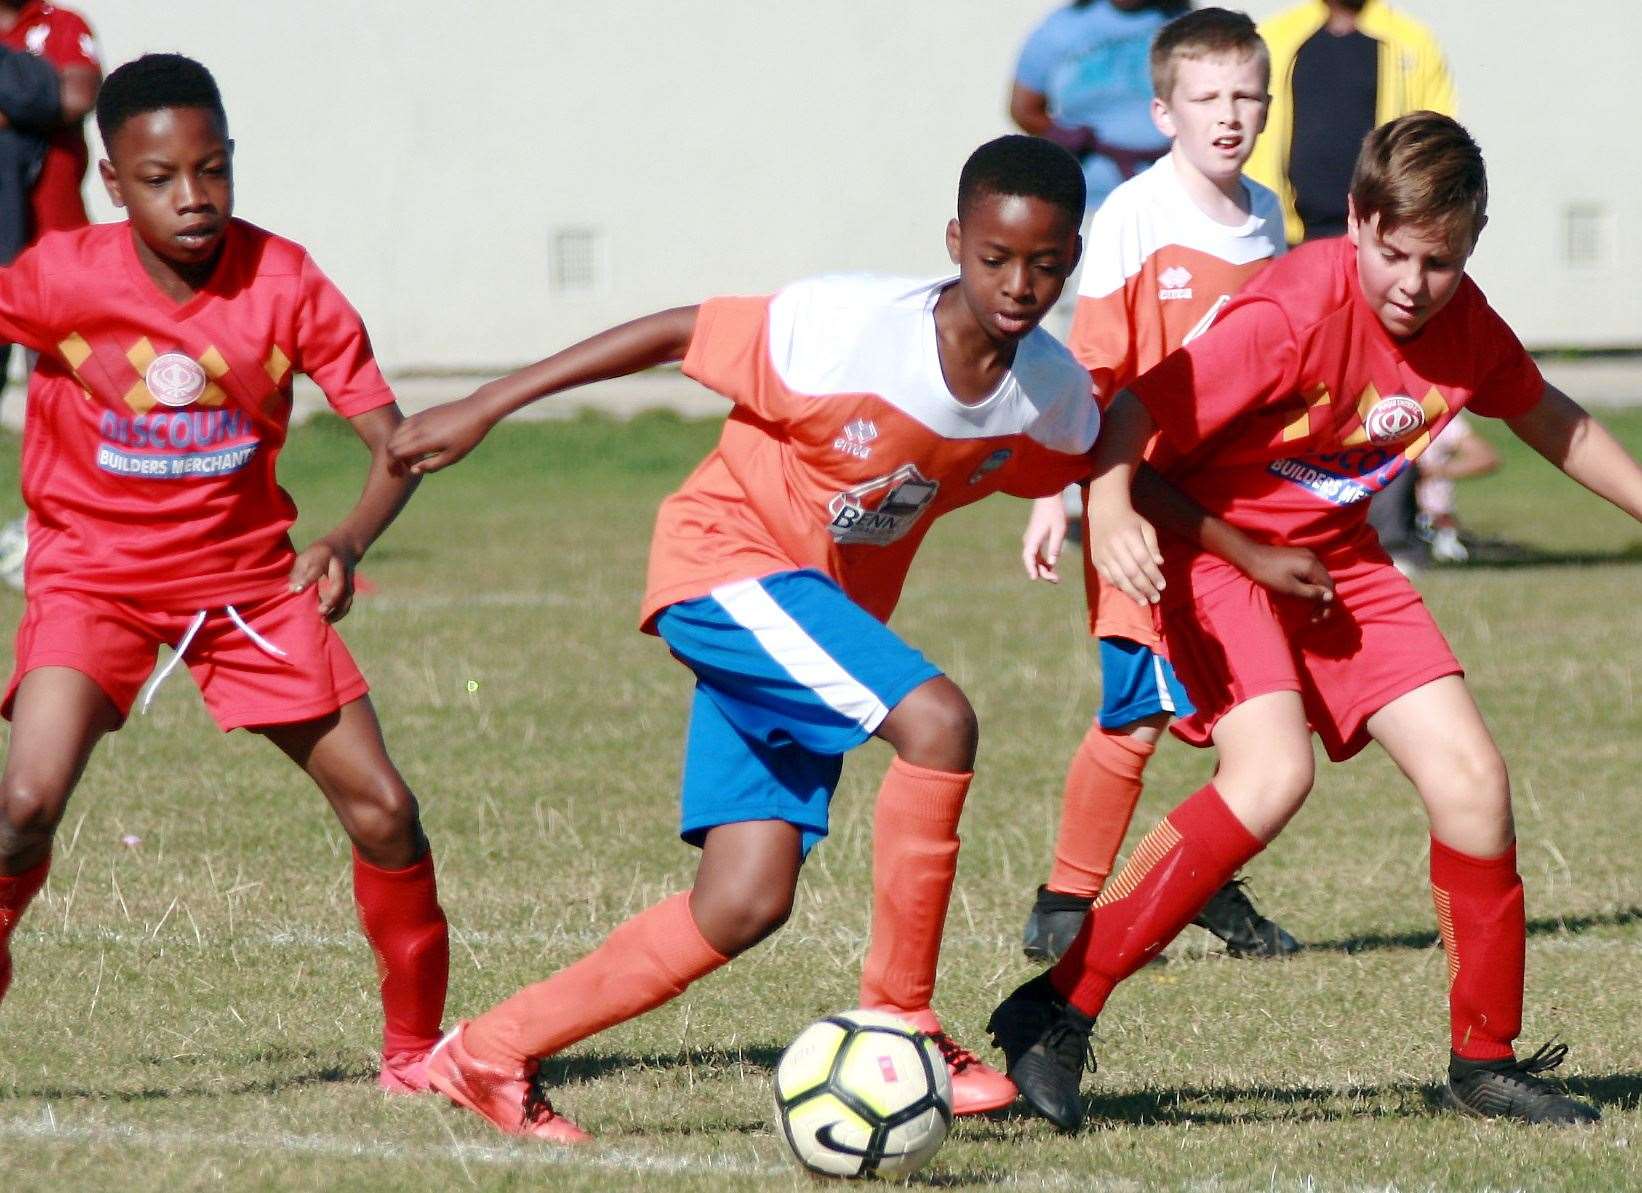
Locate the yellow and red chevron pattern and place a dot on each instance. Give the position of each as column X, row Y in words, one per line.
column 77, row 351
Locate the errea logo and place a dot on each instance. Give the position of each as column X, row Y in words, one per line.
column 1174, row 283
column 857, row 439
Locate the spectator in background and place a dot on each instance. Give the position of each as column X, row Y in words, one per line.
column 1457, row 453
column 29, row 101
column 61, row 38
column 58, row 43
column 1339, row 68
column 1083, row 81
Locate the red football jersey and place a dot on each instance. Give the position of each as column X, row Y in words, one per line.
column 63, row 39
column 1297, row 405
column 153, row 427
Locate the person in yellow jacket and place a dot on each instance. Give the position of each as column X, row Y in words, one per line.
column 1339, row 68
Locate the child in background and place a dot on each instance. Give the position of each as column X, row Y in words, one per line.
column 1165, row 252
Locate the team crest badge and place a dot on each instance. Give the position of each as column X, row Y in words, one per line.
column 1393, row 419
column 175, row 379
column 880, row 511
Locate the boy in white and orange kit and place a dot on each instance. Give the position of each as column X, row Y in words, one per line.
column 865, row 407
column 1165, row 252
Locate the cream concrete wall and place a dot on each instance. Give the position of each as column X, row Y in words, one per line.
column 429, row 154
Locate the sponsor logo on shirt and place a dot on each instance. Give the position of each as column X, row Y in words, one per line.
column 1344, row 477
column 176, row 445
column 1393, row 419
column 881, row 511
column 174, row 379
column 1174, row 283
column 990, row 465
column 857, row 439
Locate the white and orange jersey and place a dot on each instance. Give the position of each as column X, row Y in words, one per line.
column 845, row 443
column 1156, row 269
column 1156, row 272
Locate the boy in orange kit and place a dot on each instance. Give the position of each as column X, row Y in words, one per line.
column 1165, row 252
column 167, row 348
column 865, row 407
column 1320, row 382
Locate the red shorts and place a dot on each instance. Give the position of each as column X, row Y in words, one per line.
column 1230, row 640
column 116, row 642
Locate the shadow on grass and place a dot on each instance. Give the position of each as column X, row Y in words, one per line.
column 1551, row 925
column 1503, row 556
column 565, row 1070
column 330, row 1075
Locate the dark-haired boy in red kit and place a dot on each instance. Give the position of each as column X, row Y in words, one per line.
column 167, row 346
column 1322, row 380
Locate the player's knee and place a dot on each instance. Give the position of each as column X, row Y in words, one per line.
column 30, row 809
column 734, row 917
column 381, row 819
column 935, row 726
column 1472, row 782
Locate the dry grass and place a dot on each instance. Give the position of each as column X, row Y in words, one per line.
column 197, row 1010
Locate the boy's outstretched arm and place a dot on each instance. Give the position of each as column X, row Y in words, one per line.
column 437, row 438
column 1122, row 544
column 329, row 562
column 1289, row 571
column 1561, row 430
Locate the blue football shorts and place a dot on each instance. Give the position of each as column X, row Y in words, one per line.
column 790, row 675
column 1137, row 682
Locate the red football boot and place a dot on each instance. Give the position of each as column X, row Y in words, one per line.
column 509, row 1098
column 976, row 1086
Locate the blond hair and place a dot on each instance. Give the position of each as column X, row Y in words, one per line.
column 1206, row 33
column 1423, row 170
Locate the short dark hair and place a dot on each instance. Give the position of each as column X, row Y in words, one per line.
column 152, row 82
column 1028, row 166
column 1422, row 170
column 1206, row 33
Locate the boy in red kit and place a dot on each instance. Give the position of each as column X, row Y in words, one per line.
column 865, row 407
column 167, row 347
column 1165, row 251
column 1322, row 380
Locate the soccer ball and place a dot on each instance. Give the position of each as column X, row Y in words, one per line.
column 862, row 1093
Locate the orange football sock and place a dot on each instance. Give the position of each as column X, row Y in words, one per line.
column 914, row 860
column 645, row 962
column 1102, row 788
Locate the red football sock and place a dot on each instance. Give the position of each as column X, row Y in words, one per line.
column 15, row 892
column 645, row 962
column 914, row 860
column 400, row 915
column 1102, row 789
column 1166, row 881
column 1484, row 933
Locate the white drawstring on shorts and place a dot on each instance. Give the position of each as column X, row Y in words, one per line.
column 160, row 676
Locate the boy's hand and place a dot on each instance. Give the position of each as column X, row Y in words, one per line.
column 437, row 438
column 1123, row 546
column 1291, row 571
column 1045, row 535
column 329, row 566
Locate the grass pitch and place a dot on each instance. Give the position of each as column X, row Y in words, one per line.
column 194, row 1007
